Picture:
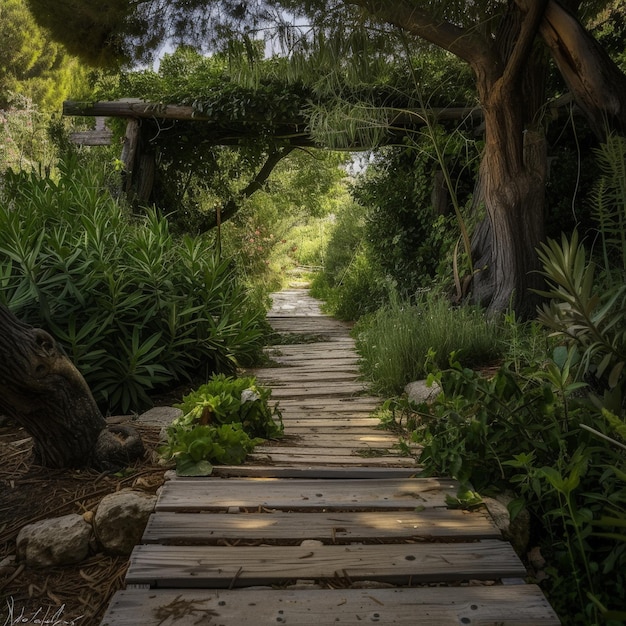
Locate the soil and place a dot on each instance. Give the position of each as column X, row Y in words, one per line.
column 76, row 594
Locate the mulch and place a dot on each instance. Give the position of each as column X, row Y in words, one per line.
column 77, row 594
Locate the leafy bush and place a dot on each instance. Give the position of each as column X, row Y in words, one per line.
column 349, row 283
column 405, row 236
column 542, row 430
column 222, row 421
column 396, row 341
column 134, row 307
column 532, row 434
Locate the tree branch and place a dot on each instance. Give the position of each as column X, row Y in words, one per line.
column 597, row 84
column 231, row 207
column 534, row 10
column 446, row 35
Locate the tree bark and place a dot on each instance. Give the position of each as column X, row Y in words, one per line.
column 43, row 392
column 595, row 81
column 513, row 171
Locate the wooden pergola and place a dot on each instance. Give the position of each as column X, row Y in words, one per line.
column 146, row 121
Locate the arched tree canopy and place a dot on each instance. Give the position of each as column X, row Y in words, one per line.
column 509, row 47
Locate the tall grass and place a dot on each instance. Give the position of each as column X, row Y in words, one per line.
column 395, row 342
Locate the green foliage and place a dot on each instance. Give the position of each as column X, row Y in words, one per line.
column 349, row 282
column 530, row 434
column 404, row 234
column 134, row 307
column 24, row 140
column 398, row 341
column 540, row 427
column 31, row 64
column 584, row 313
column 222, row 421
column 588, row 308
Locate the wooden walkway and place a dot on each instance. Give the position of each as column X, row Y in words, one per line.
column 331, row 525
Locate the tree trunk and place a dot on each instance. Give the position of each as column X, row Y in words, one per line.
column 505, row 242
column 43, row 392
column 513, row 171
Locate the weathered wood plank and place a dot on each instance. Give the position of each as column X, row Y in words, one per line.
column 357, row 425
column 211, row 528
column 362, row 426
column 309, row 451
column 296, row 375
column 403, row 564
column 315, row 366
column 312, row 471
column 522, row 605
column 215, row 494
column 330, row 405
column 338, row 439
column 320, row 390
column 328, row 459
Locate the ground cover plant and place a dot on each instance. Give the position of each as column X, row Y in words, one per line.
column 135, row 307
column 222, row 421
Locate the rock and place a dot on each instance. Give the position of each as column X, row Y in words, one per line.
column 120, row 520
column 159, row 416
column 418, row 392
column 517, row 531
column 311, row 543
column 58, row 541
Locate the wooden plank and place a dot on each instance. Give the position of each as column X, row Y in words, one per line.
column 351, row 365
column 328, row 459
column 522, row 605
column 369, row 450
column 319, row 390
column 327, row 472
column 336, row 439
column 218, row 494
column 402, row 564
column 295, row 375
column 211, row 528
column 321, row 425
column 330, row 406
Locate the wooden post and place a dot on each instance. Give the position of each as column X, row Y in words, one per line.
column 129, row 151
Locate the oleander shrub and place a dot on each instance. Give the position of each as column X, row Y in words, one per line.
column 135, row 308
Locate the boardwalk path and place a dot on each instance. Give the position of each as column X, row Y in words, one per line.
column 329, row 526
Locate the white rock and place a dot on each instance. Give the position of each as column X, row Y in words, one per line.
column 58, row 541
column 121, row 519
column 418, row 392
column 517, row 532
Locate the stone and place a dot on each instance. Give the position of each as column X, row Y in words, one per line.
column 517, row 532
column 311, row 543
column 159, row 416
column 57, row 541
column 120, row 520
column 418, row 392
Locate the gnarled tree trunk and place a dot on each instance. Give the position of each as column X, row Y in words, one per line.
column 43, row 392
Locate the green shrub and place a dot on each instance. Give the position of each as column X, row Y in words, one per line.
column 350, row 283
column 395, row 342
column 532, row 434
column 134, row 307
column 222, row 421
